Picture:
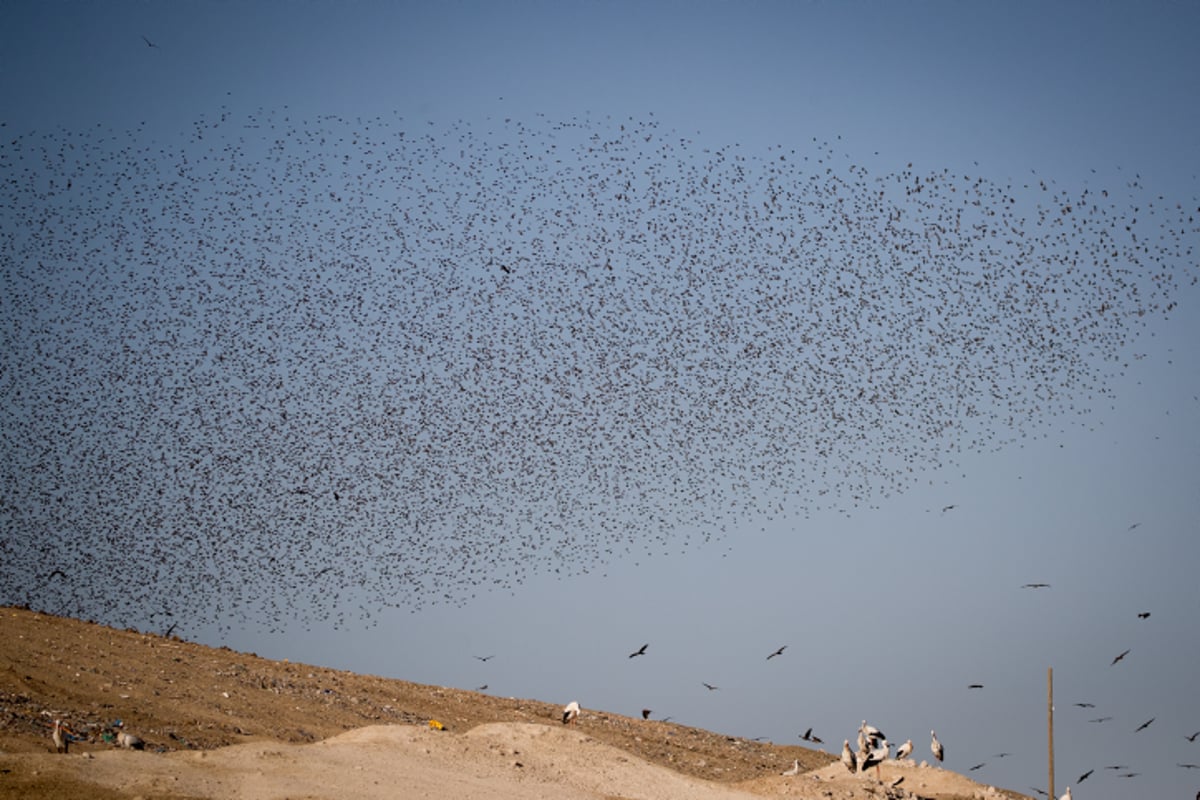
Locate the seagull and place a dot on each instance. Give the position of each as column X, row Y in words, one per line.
column 935, row 746
column 1085, row 775
column 641, row 651
column 1145, row 725
column 778, row 652
column 60, row 738
column 570, row 712
column 848, row 757
column 709, row 686
column 795, row 770
column 1120, row 657
column 904, row 750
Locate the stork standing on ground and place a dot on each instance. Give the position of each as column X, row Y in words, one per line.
column 935, row 746
column 904, row 751
column 59, row 737
column 571, row 712
column 848, row 757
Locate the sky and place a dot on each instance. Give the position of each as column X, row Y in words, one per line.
column 446, row 263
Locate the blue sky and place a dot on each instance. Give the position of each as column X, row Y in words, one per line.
column 889, row 608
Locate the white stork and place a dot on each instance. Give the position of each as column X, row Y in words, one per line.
column 570, row 712
column 848, row 757
column 904, row 751
column 935, row 746
column 59, row 737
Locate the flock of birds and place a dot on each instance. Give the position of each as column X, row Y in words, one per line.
column 276, row 357
column 280, row 369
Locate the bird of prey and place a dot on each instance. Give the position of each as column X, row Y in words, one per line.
column 778, row 652
column 1145, row 725
column 148, row 42
column 1192, row 738
column 709, row 686
column 646, row 713
column 485, row 658
column 936, row 748
column 1035, row 586
column 948, row 508
column 1085, row 775
column 641, row 651
column 1144, row 615
column 975, row 686
column 1119, row 658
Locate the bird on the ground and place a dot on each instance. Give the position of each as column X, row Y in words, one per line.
column 904, row 750
column 1120, row 657
column 570, row 712
column 935, row 747
column 59, row 736
column 130, row 741
column 875, row 757
column 871, row 731
column 1085, row 776
column 1145, row 725
column 848, row 757
column 641, row 651
column 795, row 770
column 1066, row 795
column 778, row 652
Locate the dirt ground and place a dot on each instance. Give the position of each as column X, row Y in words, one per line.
column 222, row 724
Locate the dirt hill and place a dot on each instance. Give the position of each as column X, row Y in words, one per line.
column 219, row 723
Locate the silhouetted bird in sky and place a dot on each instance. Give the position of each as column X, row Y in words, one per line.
column 641, row 651
column 1120, row 657
column 778, row 652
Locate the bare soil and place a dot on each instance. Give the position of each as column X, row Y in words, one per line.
column 217, row 723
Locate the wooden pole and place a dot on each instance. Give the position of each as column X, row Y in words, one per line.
column 1050, row 724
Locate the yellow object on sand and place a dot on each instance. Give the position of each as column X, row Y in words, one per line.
column 437, row 726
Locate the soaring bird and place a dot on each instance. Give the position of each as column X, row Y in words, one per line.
column 570, row 713
column 848, row 757
column 1144, row 615
column 646, row 713
column 709, row 686
column 1085, row 776
column 935, row 746
column 641, row 651
column 1120, row 657
column 59, row 737
column 1086, row 705
column 1145, row 725
column 904, row 750
column 980, row 765
column 148, row 42
column 1192, row 738
column 778, row 652
column 485, row 658
column 975, row 686
column 807, row 735
column 1036, row 586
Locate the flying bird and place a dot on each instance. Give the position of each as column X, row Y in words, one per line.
column 1035, row 586
column 148, row 42
column 980, row 765
column 641, row 651
column 646, row 713
column 1145, row 725
column 936, row 748
column 1192, row 738
column 1188, row 766
column 485, row 658
column 1085, row 775
column 1144, row 615
column 570, row 712
column 975, row 686
column 1120, row 657
column 1086, row 705
column 1100, row 719
column 778, row 652
column 709, row 686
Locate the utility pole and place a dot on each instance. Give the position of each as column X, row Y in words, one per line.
column 1050, row 724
